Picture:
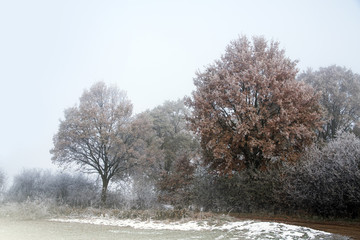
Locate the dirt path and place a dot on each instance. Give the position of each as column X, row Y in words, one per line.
column 350, row 229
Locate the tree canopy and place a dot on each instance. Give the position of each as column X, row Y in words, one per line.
column 248, row 108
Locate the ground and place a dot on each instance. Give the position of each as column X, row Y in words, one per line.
column 345, row 228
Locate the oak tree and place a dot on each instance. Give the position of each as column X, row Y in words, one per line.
column 98, row 136
column 248, row 108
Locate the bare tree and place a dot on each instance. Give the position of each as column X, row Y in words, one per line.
column 97, row 135
column 248, row 108
column 340, row 89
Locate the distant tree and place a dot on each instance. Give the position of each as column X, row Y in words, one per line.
column 169, row 123
column 98, row 135
column 180, row 152
column 2, row 181
column 248, row 108
column 340, row 89
column 142, row 178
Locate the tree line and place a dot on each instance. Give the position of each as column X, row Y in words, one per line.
column 254, row 136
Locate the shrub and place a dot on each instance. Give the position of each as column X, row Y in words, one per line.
column 74, row 190
column 250, row 190
column 327, row 180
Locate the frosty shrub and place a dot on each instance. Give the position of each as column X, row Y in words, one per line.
column 327, row 180
column 137, row 192
column 251, row 190
column 34, row 184
column 143, row 193
column 75, row 190
column 28, row 185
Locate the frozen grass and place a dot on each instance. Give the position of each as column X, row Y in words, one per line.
column 172, row 220
column 40, row 209
column 26, row 210
column 36, row 209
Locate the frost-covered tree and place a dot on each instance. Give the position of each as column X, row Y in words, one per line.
column 169, row 123
column 98, row 135
column 2, row 181
column 179, row 149
column 248, row 108
column 142, row 178
column 340, row 89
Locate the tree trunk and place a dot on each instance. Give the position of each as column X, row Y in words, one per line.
column 105, row 183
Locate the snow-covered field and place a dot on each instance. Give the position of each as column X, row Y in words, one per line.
column 224, row 230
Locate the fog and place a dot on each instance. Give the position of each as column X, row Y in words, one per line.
column 51, row 51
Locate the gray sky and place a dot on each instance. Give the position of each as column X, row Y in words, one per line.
column 50, row 51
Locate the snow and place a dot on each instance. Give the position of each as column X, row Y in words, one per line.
column 244, row 229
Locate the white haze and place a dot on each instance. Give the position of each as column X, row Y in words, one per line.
column 50, row 51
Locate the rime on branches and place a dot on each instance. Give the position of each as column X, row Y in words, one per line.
column 99, row 135
column 248, row 108
column 340, row 98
